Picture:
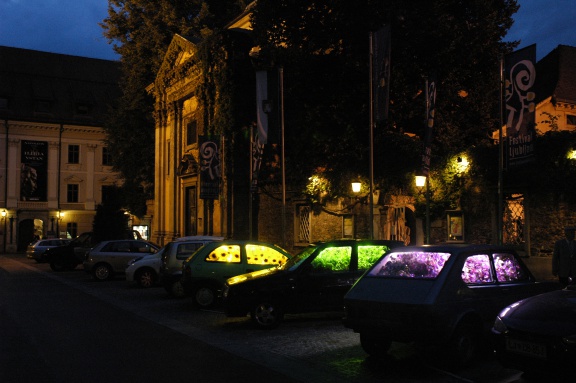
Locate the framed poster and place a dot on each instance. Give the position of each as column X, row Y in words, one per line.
column 455, row 223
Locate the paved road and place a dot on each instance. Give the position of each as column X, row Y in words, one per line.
column 305, row 348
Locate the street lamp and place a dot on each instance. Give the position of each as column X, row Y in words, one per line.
column 356, row 186
column 422, row 181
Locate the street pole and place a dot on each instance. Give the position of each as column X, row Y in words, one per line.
column 427, row 210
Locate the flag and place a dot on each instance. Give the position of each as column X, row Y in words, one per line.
column 267, row 106
column 257, row 151
column 520, row 105
column 210, row 167
column 428, row 129
column 381, row 68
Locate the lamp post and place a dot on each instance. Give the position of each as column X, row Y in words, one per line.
column 3, row 213
column 422, row 181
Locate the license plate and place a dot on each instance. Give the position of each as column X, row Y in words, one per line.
column 526, row 348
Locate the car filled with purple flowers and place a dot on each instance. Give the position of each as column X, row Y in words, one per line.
column 445, row 296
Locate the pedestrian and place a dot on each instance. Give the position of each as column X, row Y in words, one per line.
column 564, row 258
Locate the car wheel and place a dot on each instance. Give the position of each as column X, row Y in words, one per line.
column 102, row 272
column 57, row 265
column 145, row 277
column 464, row 344
column 204, row 296
column 267, row 315
column 375, row 345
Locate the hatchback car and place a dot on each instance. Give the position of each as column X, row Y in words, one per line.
column 445, row 296
column 38, row 249
column 314, row 280
column 205, row 271
column 144, row 269
column 171, row 259
column 537, row 335
column 111, row 257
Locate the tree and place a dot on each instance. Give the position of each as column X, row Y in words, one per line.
column 324, row 50
column 141, row 31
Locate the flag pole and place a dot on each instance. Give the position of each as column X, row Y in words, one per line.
column 500, row 158
column 371, row 166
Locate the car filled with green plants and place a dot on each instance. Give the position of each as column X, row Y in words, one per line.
column 315, row 280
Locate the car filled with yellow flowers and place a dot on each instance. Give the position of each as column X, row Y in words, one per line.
column 206, row 270
column 315, row 280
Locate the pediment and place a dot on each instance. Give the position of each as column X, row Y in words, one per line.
column 180, row 53
column 107, row 180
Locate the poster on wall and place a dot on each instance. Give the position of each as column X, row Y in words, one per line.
column 33, row 170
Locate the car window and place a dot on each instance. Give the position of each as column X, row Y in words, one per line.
column 225, row 253
column 184, row 250
column 264, row 255
column 332, row 259
column 508, row 268
column 477, row 269
column 369, row 254
column 142, row 247
column 117, row 247
column 417, row 264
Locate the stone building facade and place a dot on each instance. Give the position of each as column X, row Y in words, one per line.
column 54, row 166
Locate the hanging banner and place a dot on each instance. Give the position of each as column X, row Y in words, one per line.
column 520, row 105
column 210, row 167
column 33, row 171
column 257, row 152
column 428, row 130
column 267, row 106
column 381, row 76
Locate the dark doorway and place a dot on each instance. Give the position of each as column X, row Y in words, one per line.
column 25, row 234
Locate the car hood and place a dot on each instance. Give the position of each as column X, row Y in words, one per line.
column 255, row 275
column 552, row 313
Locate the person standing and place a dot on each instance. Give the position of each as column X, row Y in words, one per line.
column 564, row 258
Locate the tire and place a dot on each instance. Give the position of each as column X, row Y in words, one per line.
column 146, row 278
column 102, row 272
column 267, row 315
column 375, row 345
column 464, row 344
column 204, row 296
column 57, row 265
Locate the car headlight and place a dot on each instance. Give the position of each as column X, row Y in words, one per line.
column 499, row 326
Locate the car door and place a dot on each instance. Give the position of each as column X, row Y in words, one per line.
column 118, row 254
column 324, row 281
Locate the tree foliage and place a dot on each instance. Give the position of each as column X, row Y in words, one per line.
column 324, row 51
column 141, row 31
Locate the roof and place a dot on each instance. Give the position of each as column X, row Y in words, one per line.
column 56, row 88
column 556, row 75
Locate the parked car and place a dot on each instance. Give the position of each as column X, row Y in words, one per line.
column 176, row 252
column 537, row 335
column 37, row 249
column 314, row 280
column 111, row 257
column 144, row 269
column 445, row 296
column 205, row 271
column 69, row 256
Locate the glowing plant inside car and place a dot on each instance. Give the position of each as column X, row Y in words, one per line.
column 426, row 265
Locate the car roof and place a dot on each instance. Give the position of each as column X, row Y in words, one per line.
column 199, row 238
column 456, row 248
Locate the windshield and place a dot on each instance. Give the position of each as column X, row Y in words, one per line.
column 295, row 261
column 412, row 265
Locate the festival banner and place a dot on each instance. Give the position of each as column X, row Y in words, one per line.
column 428, row 130
column 520, row 105
column 33, row 171
column 381, row 77
column 210, row 167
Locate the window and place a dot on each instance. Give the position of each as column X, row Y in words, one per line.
column 187, row 249
column 107, row 193
column 226, row 253
column 106, row 157
column 3, row 103
column 191, row 131
column 508, row 269
column 73, row 154
column 477, row 269
column 421, row 265
column 332, row 259
column 72, row 229
column 82, row 109
column 42, row 106
column 264, row 255
column 72, row 193
column 369, row 254
column 570, row 119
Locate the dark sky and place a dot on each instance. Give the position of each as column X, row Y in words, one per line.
column 71, row 26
